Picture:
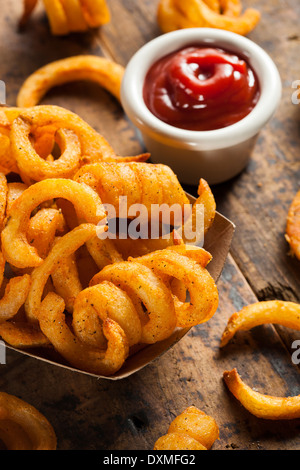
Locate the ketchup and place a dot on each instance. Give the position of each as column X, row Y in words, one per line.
column 201, row 88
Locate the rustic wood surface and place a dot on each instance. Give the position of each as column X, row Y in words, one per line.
column 90, row 414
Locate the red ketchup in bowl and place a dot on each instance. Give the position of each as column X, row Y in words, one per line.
column 201, row 88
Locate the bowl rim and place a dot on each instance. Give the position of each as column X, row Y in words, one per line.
column 263, row 65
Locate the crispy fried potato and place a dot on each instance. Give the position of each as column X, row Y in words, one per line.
column 103, row 252
column 14, row 190
column 104, row 72
column 75, row 17
column 15, row 295
column 170, row 18
column 94, row 147
column 177, row 441
column 23, row 335
column 79, row 355
column 16, row 249
column 198, row 425
column 7, row 162
column 272, row 311
column 99, row 302
column 293, row 226
column 191, row 430
column 66, row 280
column 42, row 229
column 174, row 14
column 143, row 287
column 63, row 248
column 139, row 182
column 95, row 12
column 67, row 16
column 39, row 433
column 196, row 279
column 35, row 168
column 3, row 198
column 29, row 6
column 262, row 406
column 57, row 17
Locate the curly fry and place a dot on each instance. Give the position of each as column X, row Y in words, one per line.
column 16, row 248
column 66, row 280
column 191, row 430
column 42, row 229
column 63, row 248
column 140, row 182
column 95, row 12
column 262, row 406
column 104, row 300
column 94, row 147
column 32, row 166
column 143, row 286
column 23, row 427
column 3, row 198
column 23, row 335
column 75, row 15
column 293, row 226
column 104, row 72
column 94, row 360
column 197, row 9
column 174, row 14
column 273, row 311
column 7, row 161
column 196, row 279
column 29, row 6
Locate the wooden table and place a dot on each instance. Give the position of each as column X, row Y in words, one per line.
column 131, row 414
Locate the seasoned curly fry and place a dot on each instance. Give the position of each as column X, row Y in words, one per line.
column 53, row 246
column 191, row 430
column 262, row 406
column 141, row 284
column 67, row 16
column 100, row 70
column 16, row 248
column 29, row 6
column 140, row 182
column 22, row 335
column 42, row 229
column 48, row 119
column 293, row 226
column 63, row 248
column 273, row 311
column 3, row 198
column 15, row 295
column 105, row 300
column 175, row 14
column 78, row 354
column 23, row 427
column 196, row 279
column 32, row 166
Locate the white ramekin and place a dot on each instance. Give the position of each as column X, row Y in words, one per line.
column 216, row 155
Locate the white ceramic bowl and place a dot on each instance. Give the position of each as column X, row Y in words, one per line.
column 216, row 155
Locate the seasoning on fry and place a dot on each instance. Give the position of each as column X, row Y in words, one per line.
column 191, row 430
column 262, row 406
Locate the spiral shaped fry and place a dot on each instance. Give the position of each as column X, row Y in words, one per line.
column 191, row 430
column 139, row 182
column 67, row 16
column 222, row 14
